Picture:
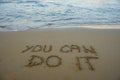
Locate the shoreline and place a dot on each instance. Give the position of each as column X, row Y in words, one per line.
column 89, row 27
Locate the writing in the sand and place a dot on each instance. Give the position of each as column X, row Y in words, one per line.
column 82, row 52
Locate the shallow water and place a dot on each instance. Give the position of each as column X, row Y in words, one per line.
column 23, row 15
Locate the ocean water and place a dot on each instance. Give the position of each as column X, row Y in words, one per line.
column 19, row 15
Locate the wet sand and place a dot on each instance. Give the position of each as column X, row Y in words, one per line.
column 75, row 54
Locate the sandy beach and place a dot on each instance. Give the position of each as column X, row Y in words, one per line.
column 61, row 54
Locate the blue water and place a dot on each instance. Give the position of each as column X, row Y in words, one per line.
column 17, row 16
